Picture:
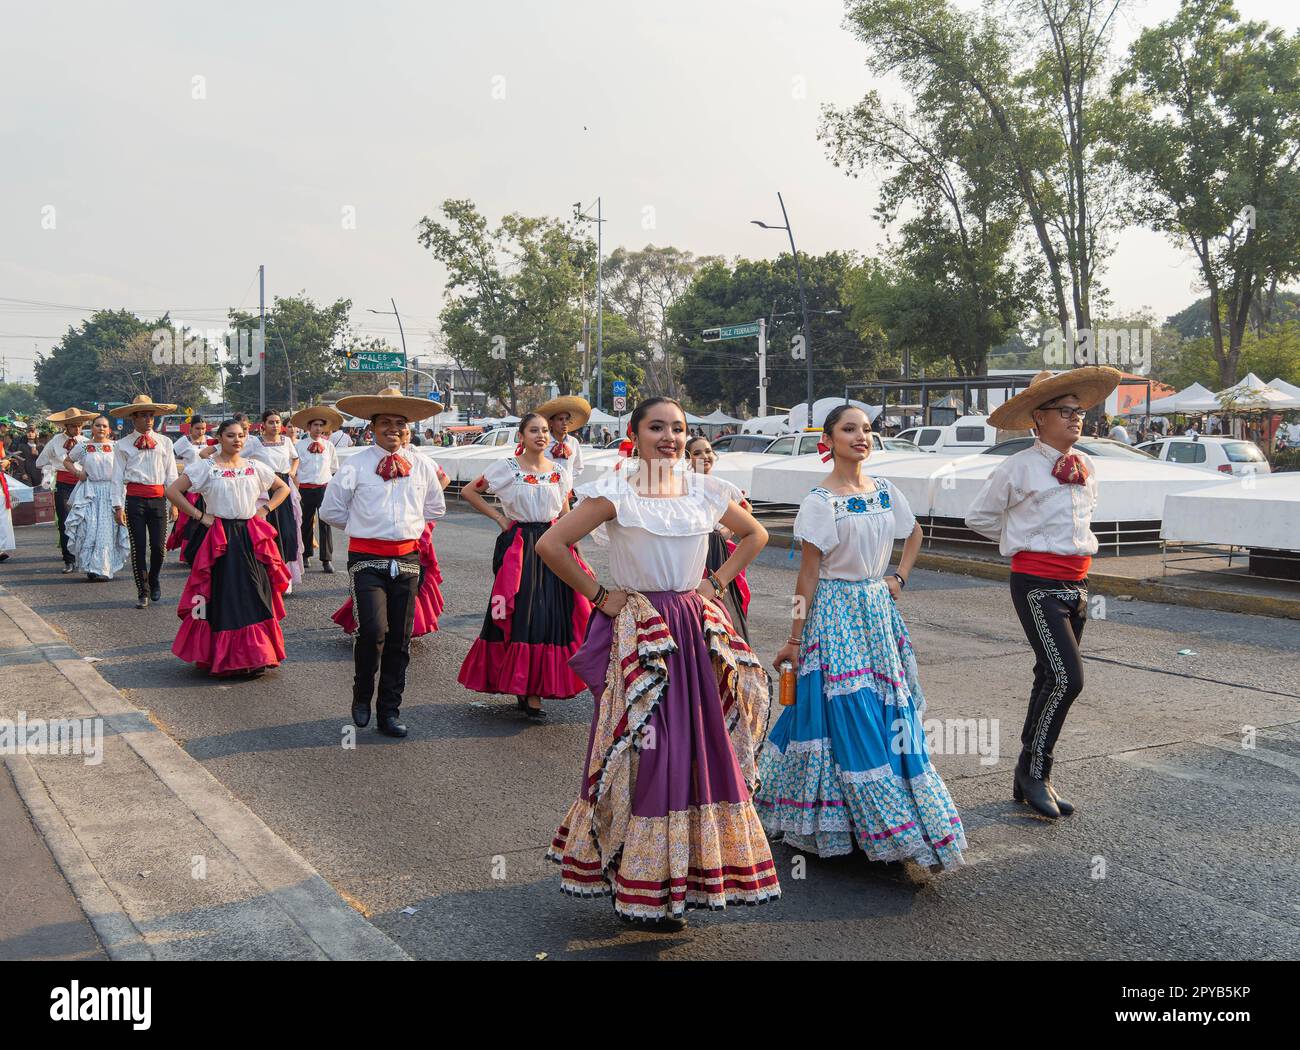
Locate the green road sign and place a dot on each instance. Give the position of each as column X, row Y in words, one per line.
column 376, row 361
column 731, row 331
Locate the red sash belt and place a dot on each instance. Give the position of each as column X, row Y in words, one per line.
column 1051, row 566
column 134, row 488
column 312, row 485
column 66, row 477
column 384, row 548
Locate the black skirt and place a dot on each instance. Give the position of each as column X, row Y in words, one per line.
column 717, row 554
column 287, row 533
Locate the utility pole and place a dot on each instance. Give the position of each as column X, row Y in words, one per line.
column 261, row 339
column 762, row 367
column 403, row 335
column 581, row 216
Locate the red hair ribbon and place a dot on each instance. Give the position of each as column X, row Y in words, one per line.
column 825, row 451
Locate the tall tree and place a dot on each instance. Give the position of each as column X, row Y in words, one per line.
column 70, row 373
column 1215, row 142
column 302, row 360
column 160, row 363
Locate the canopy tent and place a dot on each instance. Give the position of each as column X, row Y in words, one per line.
column 695, row 421
column 1283, row 387
column 1249, row 395
column 719, row 418
column 1167, row 406
column 821, row 408
column 602, row 418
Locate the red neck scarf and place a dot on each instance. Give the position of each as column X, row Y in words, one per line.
column 316, row 446
column 69, row 444
column 1070, row 470
column 560, row 450
column 145, row 441
column 393, row 466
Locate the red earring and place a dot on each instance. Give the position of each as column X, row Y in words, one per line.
column 519, row 449
column 825, row 450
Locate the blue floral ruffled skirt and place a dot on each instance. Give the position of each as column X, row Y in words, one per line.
column 848, row 763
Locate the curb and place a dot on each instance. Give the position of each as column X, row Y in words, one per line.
column 309, row 902
column 1147, row 590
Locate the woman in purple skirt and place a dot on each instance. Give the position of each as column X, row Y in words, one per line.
column 664, row 819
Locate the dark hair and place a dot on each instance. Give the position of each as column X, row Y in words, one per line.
column 833, row 417
column 697, row 437
column 105, row 419
column 196, row 419
column 240, row 417
column 528, row 418
column 226, row 424
column 639, row 413
column 268, row 414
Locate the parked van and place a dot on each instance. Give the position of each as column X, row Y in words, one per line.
column 968, row 435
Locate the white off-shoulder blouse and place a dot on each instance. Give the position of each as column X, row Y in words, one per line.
column 525, row 495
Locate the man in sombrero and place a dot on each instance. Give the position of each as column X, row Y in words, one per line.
column 566, row 416
column 144, row 464
column 382, row 498
column 318, row 461
column 56, row 450
column 1038, row 505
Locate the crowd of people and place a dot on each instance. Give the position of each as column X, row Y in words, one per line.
column 682, row 788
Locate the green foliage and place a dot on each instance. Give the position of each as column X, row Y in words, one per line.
column 70, row 373
column 21, row 400
column 302, row 340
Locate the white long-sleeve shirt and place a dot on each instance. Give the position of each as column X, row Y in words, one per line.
column 56, row 450
column 153, row 466
column 1025, row 508
column 364, row 505
column 340, row 439
column 316, row 468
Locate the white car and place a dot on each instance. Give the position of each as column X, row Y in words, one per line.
column 1226, row 455
column 967, row 435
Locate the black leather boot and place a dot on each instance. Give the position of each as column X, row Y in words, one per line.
column 1064, row 805
column 360, row 713
column 1033, row 792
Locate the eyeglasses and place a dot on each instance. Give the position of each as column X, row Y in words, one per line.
column 1066, row 412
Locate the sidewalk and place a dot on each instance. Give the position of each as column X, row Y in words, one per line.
column 164, row 862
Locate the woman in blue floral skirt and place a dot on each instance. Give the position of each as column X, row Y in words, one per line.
column 848, row 762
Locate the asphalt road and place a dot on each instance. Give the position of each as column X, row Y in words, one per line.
column 1184, row 845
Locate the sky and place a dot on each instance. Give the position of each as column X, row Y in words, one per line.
column 152, row 155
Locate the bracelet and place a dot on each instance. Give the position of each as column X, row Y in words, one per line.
column 794, row 641
column 599, row 600
column 901, row 582
column 718, row 589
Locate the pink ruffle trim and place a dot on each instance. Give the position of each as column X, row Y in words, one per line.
column 519, row 669
column 229, row 652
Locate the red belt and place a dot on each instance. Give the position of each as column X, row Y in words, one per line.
column 384, row 548
column 134, row 488
column 310, row 485
column 66, row 477
column 1051, row 566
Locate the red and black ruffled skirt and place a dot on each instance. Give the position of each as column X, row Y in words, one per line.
column 533, row 625
column 176, row 539
column 231, row 607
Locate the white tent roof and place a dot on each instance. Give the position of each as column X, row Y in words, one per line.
column 1250, row 393
column 821, row 408
column 1283, row 387
column 604, row 418
column 1164, row 406
column 695, row 420
column 720, row 418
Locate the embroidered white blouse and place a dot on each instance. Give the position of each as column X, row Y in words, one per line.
column 95, row 459
column 1025, row 508
column 186, row 450
column 660, row 543
column 316, row 468
column 278, row 457
column 230, row 492
column 359, row 501
column 855, row 533
column 526, row 496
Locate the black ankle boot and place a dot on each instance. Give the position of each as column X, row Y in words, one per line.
column 1032, row 791
column 1064, row 805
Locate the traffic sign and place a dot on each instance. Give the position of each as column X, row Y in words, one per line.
column 620, row 388
column 376, row 361
column 730, row 331
column 620, row 403
column 434, row 395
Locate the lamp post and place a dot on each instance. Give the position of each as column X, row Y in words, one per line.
column 581, row 216
column 805, row 313
column 400, row 332
column 803, row 299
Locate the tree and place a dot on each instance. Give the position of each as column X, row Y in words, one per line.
column 515, row 297
column 21, row 400
column 302, row 358
column 160, row 363
column 1215, row 142
column 1274, row 307
column 70, row 373
column 1039, row 104
column 642, row 286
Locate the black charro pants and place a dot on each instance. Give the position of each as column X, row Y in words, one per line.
column 62, row 493
column 146, row 524
column 383, row 604
column 311, row 501
column 1052, row 613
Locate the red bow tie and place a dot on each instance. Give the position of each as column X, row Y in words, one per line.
column 316, row 446
column 1070, row 470
column 560, row 450
column 145, row 441
column 69, row 444
column 393, row 466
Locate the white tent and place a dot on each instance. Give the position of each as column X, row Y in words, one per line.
column 602, row 418
column 821, row 408
column 1249, row 394
column 695, row 420
column 1166, row 406
column 1283, row 387
column 719, row 418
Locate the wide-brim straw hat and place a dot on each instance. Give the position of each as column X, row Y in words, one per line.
column 70, row 415
column 142, row 403
column 332, row 417
column 389, row 402
column 578, row 408
column 1091, row 384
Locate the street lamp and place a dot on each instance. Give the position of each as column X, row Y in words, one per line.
column 803, row 299
column 394, row 313
column 581, row 216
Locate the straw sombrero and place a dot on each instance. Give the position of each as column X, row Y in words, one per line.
column 328, row 413
column 1090, row 384
column 142, row 403
column 70, row 415
column 578, row 408
column 389, row 401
